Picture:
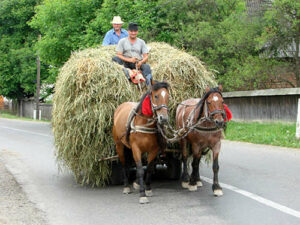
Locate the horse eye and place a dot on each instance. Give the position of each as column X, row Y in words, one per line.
column 155, row 96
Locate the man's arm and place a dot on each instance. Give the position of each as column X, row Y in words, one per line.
column 145, row 58
column 131, row 60
column 106, row 40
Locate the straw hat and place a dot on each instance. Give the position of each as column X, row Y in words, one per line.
column 117, row 20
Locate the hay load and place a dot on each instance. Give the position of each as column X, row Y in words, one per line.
column 90, row 87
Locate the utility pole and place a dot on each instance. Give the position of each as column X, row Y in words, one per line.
column 38, row 75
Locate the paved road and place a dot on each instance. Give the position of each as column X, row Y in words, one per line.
column 260, row 184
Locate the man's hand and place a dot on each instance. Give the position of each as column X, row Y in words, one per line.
column 133, row 60
column 139, row 64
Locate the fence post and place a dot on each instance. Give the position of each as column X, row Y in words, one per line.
column 298, row 121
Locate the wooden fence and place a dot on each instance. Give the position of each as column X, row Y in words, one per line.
column 264, row 105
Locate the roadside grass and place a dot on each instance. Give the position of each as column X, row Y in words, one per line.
column 11, row 116
column 278, row 134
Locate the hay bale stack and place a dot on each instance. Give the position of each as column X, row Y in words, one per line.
column 186, row 74
column 88, row 90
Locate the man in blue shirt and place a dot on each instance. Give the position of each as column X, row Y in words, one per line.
column 113, row 36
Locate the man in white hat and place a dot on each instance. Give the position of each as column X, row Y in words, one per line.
column 113, row 36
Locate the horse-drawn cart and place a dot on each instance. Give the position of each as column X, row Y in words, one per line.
column 168, row 166
column 88, row 90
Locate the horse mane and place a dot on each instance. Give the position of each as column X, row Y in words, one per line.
column 156, row 86
column 202, row 100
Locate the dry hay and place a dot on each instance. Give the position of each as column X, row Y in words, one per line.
column 89, row 88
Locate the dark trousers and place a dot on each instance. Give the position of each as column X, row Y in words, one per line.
column 145, row 68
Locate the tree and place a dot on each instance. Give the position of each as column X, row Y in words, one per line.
column 281, row 37
column 219, row 32
column 62, row 24
column 141, row 11
column 18, row 58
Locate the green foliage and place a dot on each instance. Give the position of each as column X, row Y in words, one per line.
column 219, row 32
column 62, row 24
column 18, row 58
column 279, row 134
column 253, row 72
column 140, row 11
column 281, row 36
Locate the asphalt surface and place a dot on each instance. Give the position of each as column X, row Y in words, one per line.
column 15, row 207
column 260, row 185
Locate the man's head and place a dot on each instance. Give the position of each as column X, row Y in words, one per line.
column 133, row 30
column 117, row 23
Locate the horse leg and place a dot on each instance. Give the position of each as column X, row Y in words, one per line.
column 125, row 169
column 197, row 174
column 150, row 170
column 185, row 176
column 137, row 155
column 195, row 166
column 216, row 186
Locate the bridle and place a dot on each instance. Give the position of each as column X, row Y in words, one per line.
column 208, row 115
column 155, row 107
column 150, row 121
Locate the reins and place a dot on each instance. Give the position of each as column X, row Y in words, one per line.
column 167, row 131
column 208, row 116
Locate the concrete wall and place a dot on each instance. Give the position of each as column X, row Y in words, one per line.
column 25, row 109
column 264, row 105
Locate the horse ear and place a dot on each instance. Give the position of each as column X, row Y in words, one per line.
column 207, row 89
column 220, row 87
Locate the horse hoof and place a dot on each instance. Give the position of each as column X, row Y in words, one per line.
column 136, row 186
column 149, row 193
column 192, row 187
column 199, row 184
column 126, row 190
column 143, row 200
column 185, row 185
column 218, row 192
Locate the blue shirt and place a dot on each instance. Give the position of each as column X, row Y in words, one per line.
column 111, row 37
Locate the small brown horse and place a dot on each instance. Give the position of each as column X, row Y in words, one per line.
column 205, row 117
column 135, row 128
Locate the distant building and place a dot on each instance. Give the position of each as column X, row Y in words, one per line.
column 257, row 7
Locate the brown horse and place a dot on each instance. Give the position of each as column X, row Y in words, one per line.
column 205, row 119
column 135, row 128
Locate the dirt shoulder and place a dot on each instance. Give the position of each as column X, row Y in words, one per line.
column 15, row 207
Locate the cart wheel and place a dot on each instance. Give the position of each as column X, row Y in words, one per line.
column 116, row 177
column 173, row 171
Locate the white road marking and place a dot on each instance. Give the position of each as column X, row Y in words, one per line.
column 215, row 98
column 163, row 94
column 25, row 131
column 258, row 198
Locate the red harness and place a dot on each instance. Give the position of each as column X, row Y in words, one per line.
column 228, row 113
column 146, row 107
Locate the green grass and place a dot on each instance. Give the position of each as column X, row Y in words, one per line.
column 279, row 134
column 11, row 116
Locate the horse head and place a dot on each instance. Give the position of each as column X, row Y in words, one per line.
column 213, row 106
column 159, row 97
